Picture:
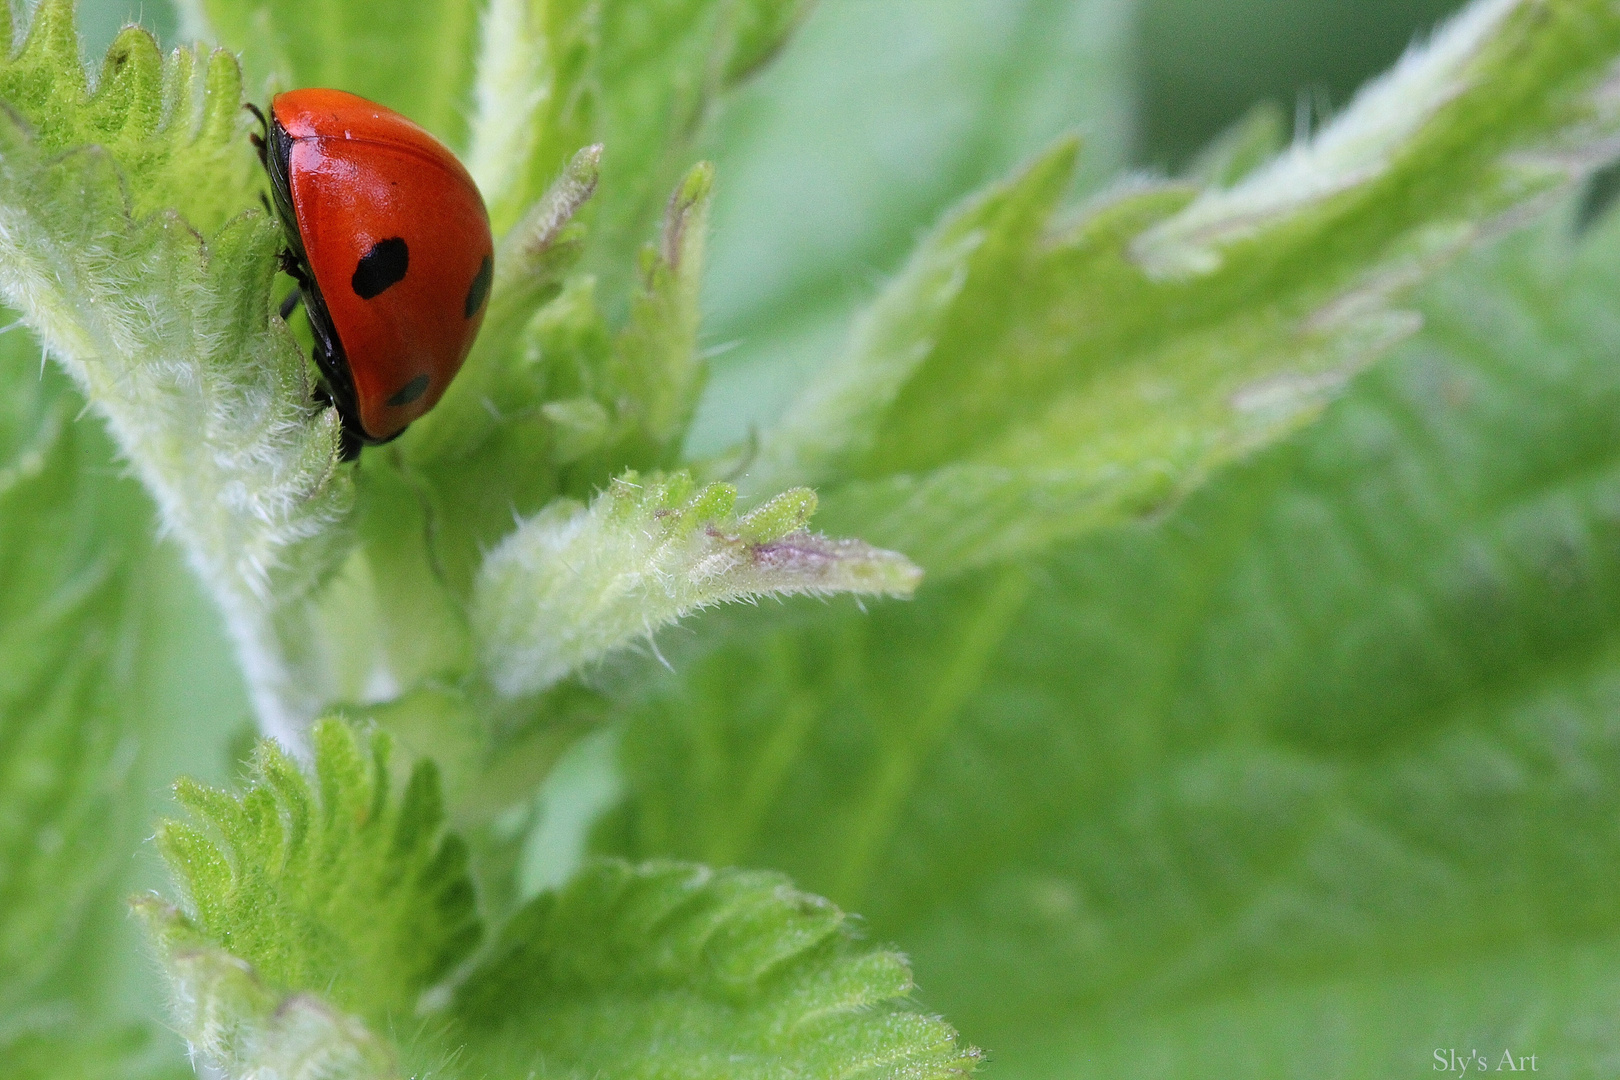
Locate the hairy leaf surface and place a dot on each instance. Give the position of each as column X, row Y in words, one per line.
column 335, row 886
column 323, row 907
column 673, row 970
column 574, row 583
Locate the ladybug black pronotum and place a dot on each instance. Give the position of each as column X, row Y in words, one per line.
column 389, row 242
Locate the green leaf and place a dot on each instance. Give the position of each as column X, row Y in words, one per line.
column 801, row 740
column 167, row 122
column 675, row 970
column 326, row 907
column 656, row 368
column 168, row 330
column 575, row 583
column 1097, row 368
column 1333, row 740
column 234, row 1023
column 330, row 883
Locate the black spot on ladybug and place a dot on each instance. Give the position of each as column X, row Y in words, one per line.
column 480, row 286
column 410, row 391
column 381, row 267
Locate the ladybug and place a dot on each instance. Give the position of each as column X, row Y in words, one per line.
column 389, row 241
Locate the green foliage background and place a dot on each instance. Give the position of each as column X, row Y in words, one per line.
column 1313, row 772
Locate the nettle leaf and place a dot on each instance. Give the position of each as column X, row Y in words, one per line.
column 164, row 321
column 656, row 374
column 1100, row 366
column 535, row 98
column 237, row 1025
column 801, row 739
column 233, row 1022
column 575, row 583
column 334, row 885
column 165, row 121
column 1333, row 740
column 670, row 970
column 325, row 907
column 317, row 909
column 1248, row 144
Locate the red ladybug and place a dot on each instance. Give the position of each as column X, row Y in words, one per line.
column 389, row 241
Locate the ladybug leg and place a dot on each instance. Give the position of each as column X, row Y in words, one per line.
column 288, row 263
column 259, row 140
column 352, row 439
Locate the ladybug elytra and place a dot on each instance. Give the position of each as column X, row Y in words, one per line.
column 389, row 241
